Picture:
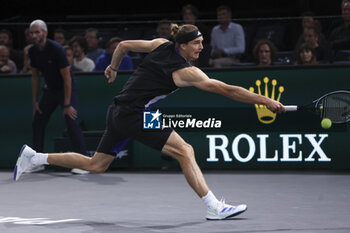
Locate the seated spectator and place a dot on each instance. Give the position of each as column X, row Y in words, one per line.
column 7, row 66
column 93, row 50
column 105, row 59
column 163, row 29
column 6, row 39
column 28, row 37
column 81, row 62
column 310, row 22
column 227, row 39
column 264, row 52
column 27, row 69
column 340, row 36
column 306, row 55
column 190, row 14
column 59, row 35
column 69, row 54
column 311, row 38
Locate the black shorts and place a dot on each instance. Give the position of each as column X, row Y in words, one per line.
column 124, row 124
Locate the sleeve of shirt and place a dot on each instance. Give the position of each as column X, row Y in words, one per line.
column 238, row 41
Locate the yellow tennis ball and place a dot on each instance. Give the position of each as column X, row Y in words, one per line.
column 326, row 123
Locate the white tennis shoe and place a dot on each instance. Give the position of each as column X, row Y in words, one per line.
column 225, row 211
column 24, row 162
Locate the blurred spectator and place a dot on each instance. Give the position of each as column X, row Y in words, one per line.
column 69, row 54
column 190, row 15
column 105, row 59
column 59, row 35
column 264, row 52
column 306, row 55
column 227, row 39
column 27, row 69
column 6, row 39
column 307, row 22
column 93, row 50
column 163, row 29
column 27, row 37
column 81, row 62
column 7, row 66
column 311, row 37
column 340, row 36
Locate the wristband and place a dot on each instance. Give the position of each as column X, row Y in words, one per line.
column 66, row 106
column 115, row 70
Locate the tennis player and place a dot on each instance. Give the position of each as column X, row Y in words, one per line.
column 166, row 68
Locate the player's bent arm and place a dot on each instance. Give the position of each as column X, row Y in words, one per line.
column 144, row 46
column 140, row 46
column 193, row 76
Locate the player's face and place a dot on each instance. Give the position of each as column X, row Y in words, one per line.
column 38, row 35
column 194, row 48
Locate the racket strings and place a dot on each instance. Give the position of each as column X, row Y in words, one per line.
column 336, row 107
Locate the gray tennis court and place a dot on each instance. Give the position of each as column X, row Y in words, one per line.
column 163, row 202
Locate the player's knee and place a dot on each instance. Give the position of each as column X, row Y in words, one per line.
column 186, row 151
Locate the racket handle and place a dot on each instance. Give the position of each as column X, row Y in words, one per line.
column 291, row 108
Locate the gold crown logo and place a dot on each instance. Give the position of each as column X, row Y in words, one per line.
column 265, row 116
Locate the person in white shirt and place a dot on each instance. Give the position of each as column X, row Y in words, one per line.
column 81, row 62
column 227, row 39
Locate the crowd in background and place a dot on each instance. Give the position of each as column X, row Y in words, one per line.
column 226, row 43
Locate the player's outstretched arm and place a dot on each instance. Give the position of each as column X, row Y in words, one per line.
column 193, row 76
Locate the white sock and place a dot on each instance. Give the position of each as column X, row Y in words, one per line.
column 210, row 200
column 40, row 159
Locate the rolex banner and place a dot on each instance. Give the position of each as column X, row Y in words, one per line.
column 230, row 135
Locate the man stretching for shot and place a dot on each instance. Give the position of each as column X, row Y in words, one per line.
column 166, row 68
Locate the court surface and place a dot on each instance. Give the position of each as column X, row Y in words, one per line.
column 163, row 202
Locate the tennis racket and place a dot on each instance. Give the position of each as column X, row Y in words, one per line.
column 334, row 106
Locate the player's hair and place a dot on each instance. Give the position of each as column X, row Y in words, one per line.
column 39, row 23
column 178, row 31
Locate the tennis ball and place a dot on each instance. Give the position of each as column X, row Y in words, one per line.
column 326, row 123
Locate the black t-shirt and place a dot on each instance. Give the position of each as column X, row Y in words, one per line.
column 49, row 61
column 152, row 80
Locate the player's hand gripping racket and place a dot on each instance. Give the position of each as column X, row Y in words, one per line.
column 334, row 106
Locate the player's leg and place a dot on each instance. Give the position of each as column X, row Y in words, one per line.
column 96, row 164
column 183, row 152
column 177, row 148
column 29, row 158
